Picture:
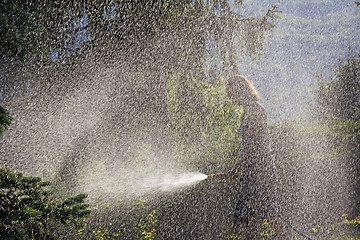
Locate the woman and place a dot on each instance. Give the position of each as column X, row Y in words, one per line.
column 255, row 163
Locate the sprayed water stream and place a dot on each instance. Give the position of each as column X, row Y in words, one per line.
column 173, row 182
column 88, row 133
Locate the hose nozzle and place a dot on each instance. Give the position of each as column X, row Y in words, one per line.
column 216, row 175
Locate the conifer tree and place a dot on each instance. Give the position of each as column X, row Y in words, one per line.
column 28, row 210
column 338, row 106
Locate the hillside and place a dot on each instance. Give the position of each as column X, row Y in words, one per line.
column 310, row 37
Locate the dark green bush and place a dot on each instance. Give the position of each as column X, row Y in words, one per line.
column 28, row 211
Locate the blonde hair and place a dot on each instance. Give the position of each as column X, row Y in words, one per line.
column 241, row 89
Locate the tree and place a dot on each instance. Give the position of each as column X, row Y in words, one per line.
column 143, row 42
column 203, row 122
column 338, row 107
column 5, row 120
column 28, row 211
column 340, row 97
column 178, row 33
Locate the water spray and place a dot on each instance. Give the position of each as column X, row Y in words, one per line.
column 260, row 194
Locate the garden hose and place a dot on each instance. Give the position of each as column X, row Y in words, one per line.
column 216, row 175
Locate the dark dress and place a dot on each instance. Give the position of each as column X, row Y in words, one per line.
column 259, row 167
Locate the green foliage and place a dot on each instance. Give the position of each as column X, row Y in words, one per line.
column 324, row 231
column 15, row 28
column 203, row 121
column 104, row 231
column 142, row 224
column 147, row 228
column 340, row 96
column 348, row 133
column 354, row 222
column 265, row 229
column 337, row 112
column 338, row 107
column 5, row 120
column 233, row 236
column 177, row 33
column 32, row 26
column 28, row 211
column 321, row 229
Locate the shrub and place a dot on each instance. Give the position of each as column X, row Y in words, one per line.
column 28, row 211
